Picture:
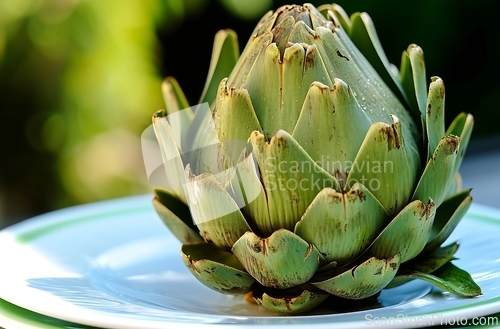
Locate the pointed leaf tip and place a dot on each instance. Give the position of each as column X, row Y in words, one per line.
column 343, row 217
column 281, row 261
column 176, row 216
column 452, row 279
column 414, row 223
column 225, row 54
column 435, row 114
column 363, row 280
column 439, row 171
column 215, row 268
column 174, row 97
column 448, row 215
column 291, row 303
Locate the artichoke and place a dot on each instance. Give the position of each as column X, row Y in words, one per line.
column 312, row 166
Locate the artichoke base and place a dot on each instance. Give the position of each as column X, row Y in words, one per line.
column 309, row 300
column 350, row 287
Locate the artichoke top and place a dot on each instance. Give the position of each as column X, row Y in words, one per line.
column 301, row 76
column 304, row 173
column 297, row 46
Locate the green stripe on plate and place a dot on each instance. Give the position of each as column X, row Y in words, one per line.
column 23, row 316
column 31, row 235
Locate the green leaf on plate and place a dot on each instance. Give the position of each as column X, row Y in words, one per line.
column 450, row 278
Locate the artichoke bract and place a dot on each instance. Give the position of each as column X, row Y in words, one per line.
column 312, row 166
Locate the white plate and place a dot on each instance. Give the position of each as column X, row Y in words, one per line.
column 113, row 264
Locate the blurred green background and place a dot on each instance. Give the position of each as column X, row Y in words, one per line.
column 80, row 79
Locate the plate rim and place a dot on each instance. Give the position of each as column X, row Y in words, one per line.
column 59, row 218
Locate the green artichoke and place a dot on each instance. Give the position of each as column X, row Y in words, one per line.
column 313, row 167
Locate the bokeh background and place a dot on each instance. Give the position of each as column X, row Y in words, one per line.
column 80, row 79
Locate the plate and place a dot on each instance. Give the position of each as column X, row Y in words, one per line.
column 113, row 264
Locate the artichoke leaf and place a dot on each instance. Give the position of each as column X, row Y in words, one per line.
column 448, row 215
column 176, row 216
column 265, row 24
column 344, row 61
column 387, row 165
column 193, row 132
column 336, row 12
column 215, row 268
column 250, row 194
column 214, row 210
column 349, row 223
column 178, row 113
column 416, row 55
column 313, row 69
column 171, row 156
column 203, row 150
column 290, row 177
column 462, row 127
column 435, row 115
column 235, row 120
column 224, row 57
column 363, row 34
column 413, row 78
column 406, row 81
column 425, row 263
column 363, row 280
column 281, row 30
column 455, row 185
column 324, row 128
column 306, row 66
column 428, row 262
column 406, row 234
column 292, row 304
column 316, row 17
column 250, row 55
column 174, row 97
column 283, row 260
column 438, row 173
column 263, row 85
column 450, row 278
column 304, row 35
